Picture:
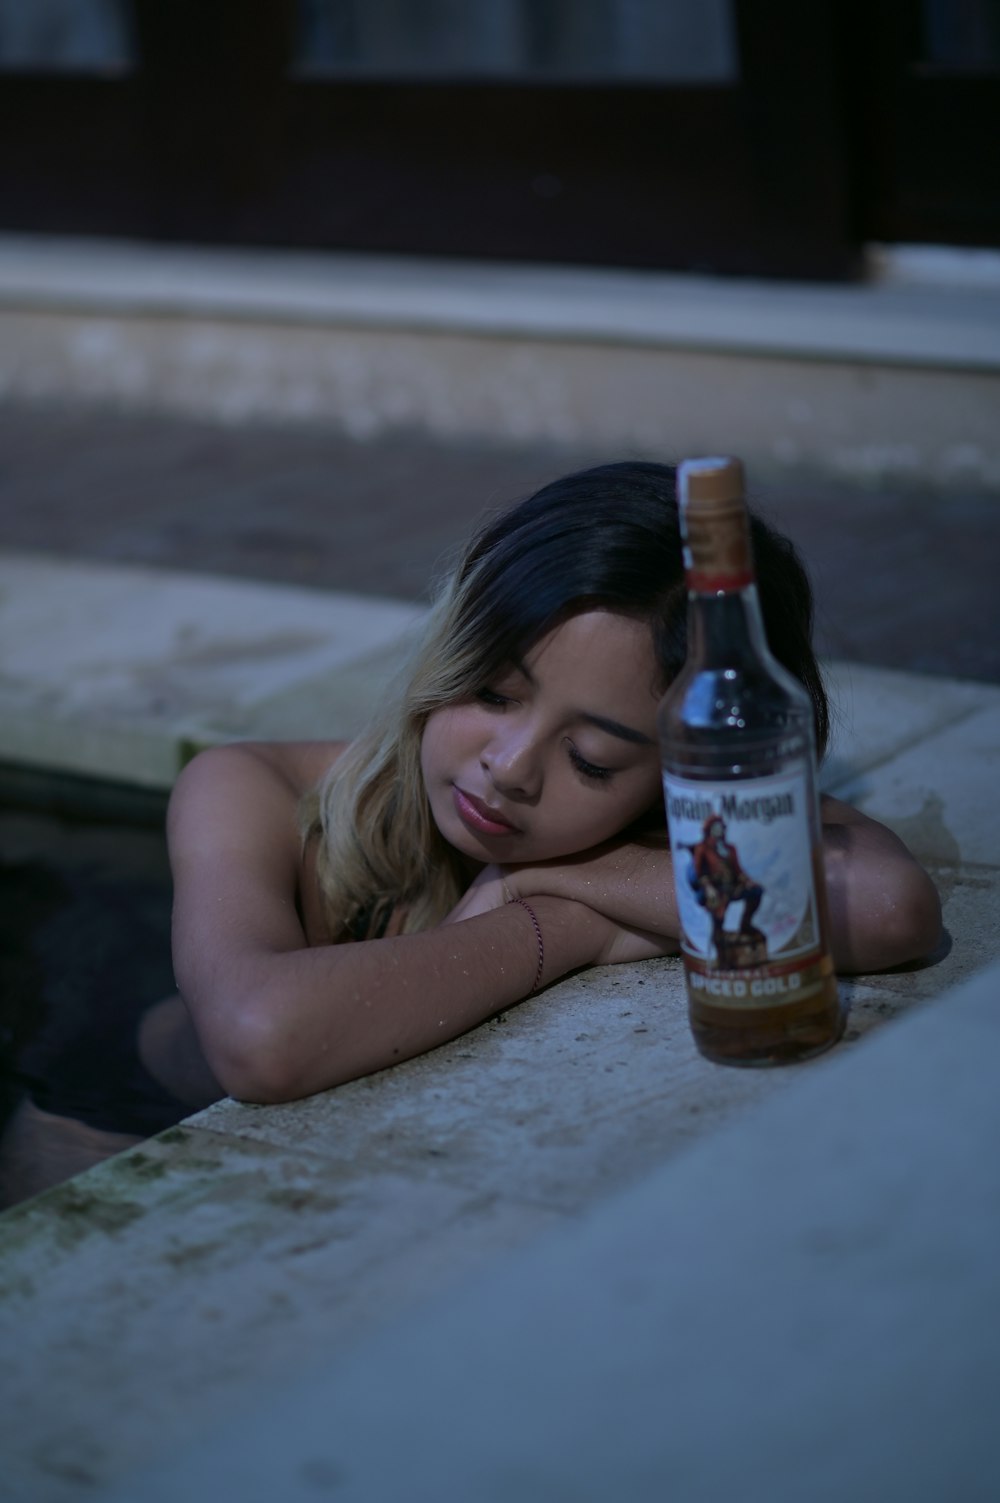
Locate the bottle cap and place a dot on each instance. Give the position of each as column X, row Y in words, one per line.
column 715, row 528
column 708, row 482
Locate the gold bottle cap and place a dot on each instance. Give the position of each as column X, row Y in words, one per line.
column 715, row 528
column 709, row 482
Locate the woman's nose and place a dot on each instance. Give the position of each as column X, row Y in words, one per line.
column 514, row 764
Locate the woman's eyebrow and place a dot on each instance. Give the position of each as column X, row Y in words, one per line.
column 615, row 728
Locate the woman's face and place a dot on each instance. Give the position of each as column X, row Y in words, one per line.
column 555, row 754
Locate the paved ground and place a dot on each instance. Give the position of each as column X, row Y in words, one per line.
column 903, row 579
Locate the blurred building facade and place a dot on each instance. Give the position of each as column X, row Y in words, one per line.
column 621, row 222
column 720, row 136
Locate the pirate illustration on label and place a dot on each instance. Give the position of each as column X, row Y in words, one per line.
column 745, row 890
column 718, row 880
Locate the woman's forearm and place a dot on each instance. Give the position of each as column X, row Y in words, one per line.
column 884, row 908
column 290, row 1023
column 632, row 884
column 277, row 1018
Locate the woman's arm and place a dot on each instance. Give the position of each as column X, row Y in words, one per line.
column 630, row 882
column 884, row 908
column 278, row 1019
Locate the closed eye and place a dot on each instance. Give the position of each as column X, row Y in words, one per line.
column 491, row 697
column 590, row 769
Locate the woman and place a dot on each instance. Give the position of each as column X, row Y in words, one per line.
column 338, row 909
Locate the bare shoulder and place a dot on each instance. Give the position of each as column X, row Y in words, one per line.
column 885, row 908
column 236, row 858
column 855, row 825
column 848, row 829
column 298, row 764
column 235, row 807
column 833, row 811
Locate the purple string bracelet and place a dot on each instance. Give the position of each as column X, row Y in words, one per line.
column 538, row 935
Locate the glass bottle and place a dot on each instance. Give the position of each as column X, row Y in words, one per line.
column 739, row 776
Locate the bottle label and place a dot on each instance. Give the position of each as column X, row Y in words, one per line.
column 746, row 888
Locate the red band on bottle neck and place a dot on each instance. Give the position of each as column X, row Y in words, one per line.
column 703, row 582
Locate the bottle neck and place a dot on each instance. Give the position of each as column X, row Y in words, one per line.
column 725, row 627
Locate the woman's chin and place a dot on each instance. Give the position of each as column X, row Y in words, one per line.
column 464, row 843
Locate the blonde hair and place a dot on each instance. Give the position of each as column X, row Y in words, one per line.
column 380, row 849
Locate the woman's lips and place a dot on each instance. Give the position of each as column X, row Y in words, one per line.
column 479, row 816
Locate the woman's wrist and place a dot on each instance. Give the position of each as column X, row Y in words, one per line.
column 572, row 934
column 545, row 880
column 539, row 938
column 628, row 884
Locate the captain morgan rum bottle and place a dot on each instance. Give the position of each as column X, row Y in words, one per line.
column 739, row 780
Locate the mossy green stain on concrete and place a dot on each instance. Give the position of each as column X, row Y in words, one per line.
column 17, row 1286
column 78, row 1213
column 106, row 1202
column 298, row 1200
column 64, row 1217
column 193, row 1253
column 162, row 1184
column 142, row 1166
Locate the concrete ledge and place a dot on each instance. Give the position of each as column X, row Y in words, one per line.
column 801, row 1307
column 886, row 321
column 285, row 1280
column 883, row 380
column 119, row 672
column 810, row 1249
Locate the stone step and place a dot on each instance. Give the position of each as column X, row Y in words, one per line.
column 120, row 672
column 891, row 379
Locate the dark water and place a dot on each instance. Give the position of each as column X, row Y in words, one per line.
column 85, row 901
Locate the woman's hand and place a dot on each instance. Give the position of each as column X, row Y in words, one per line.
column 489, row 890
column 884, row 908
column 629, row 882
column 628, row 886
column 625, row 944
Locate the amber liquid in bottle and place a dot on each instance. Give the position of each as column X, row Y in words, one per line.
column 739, row 774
